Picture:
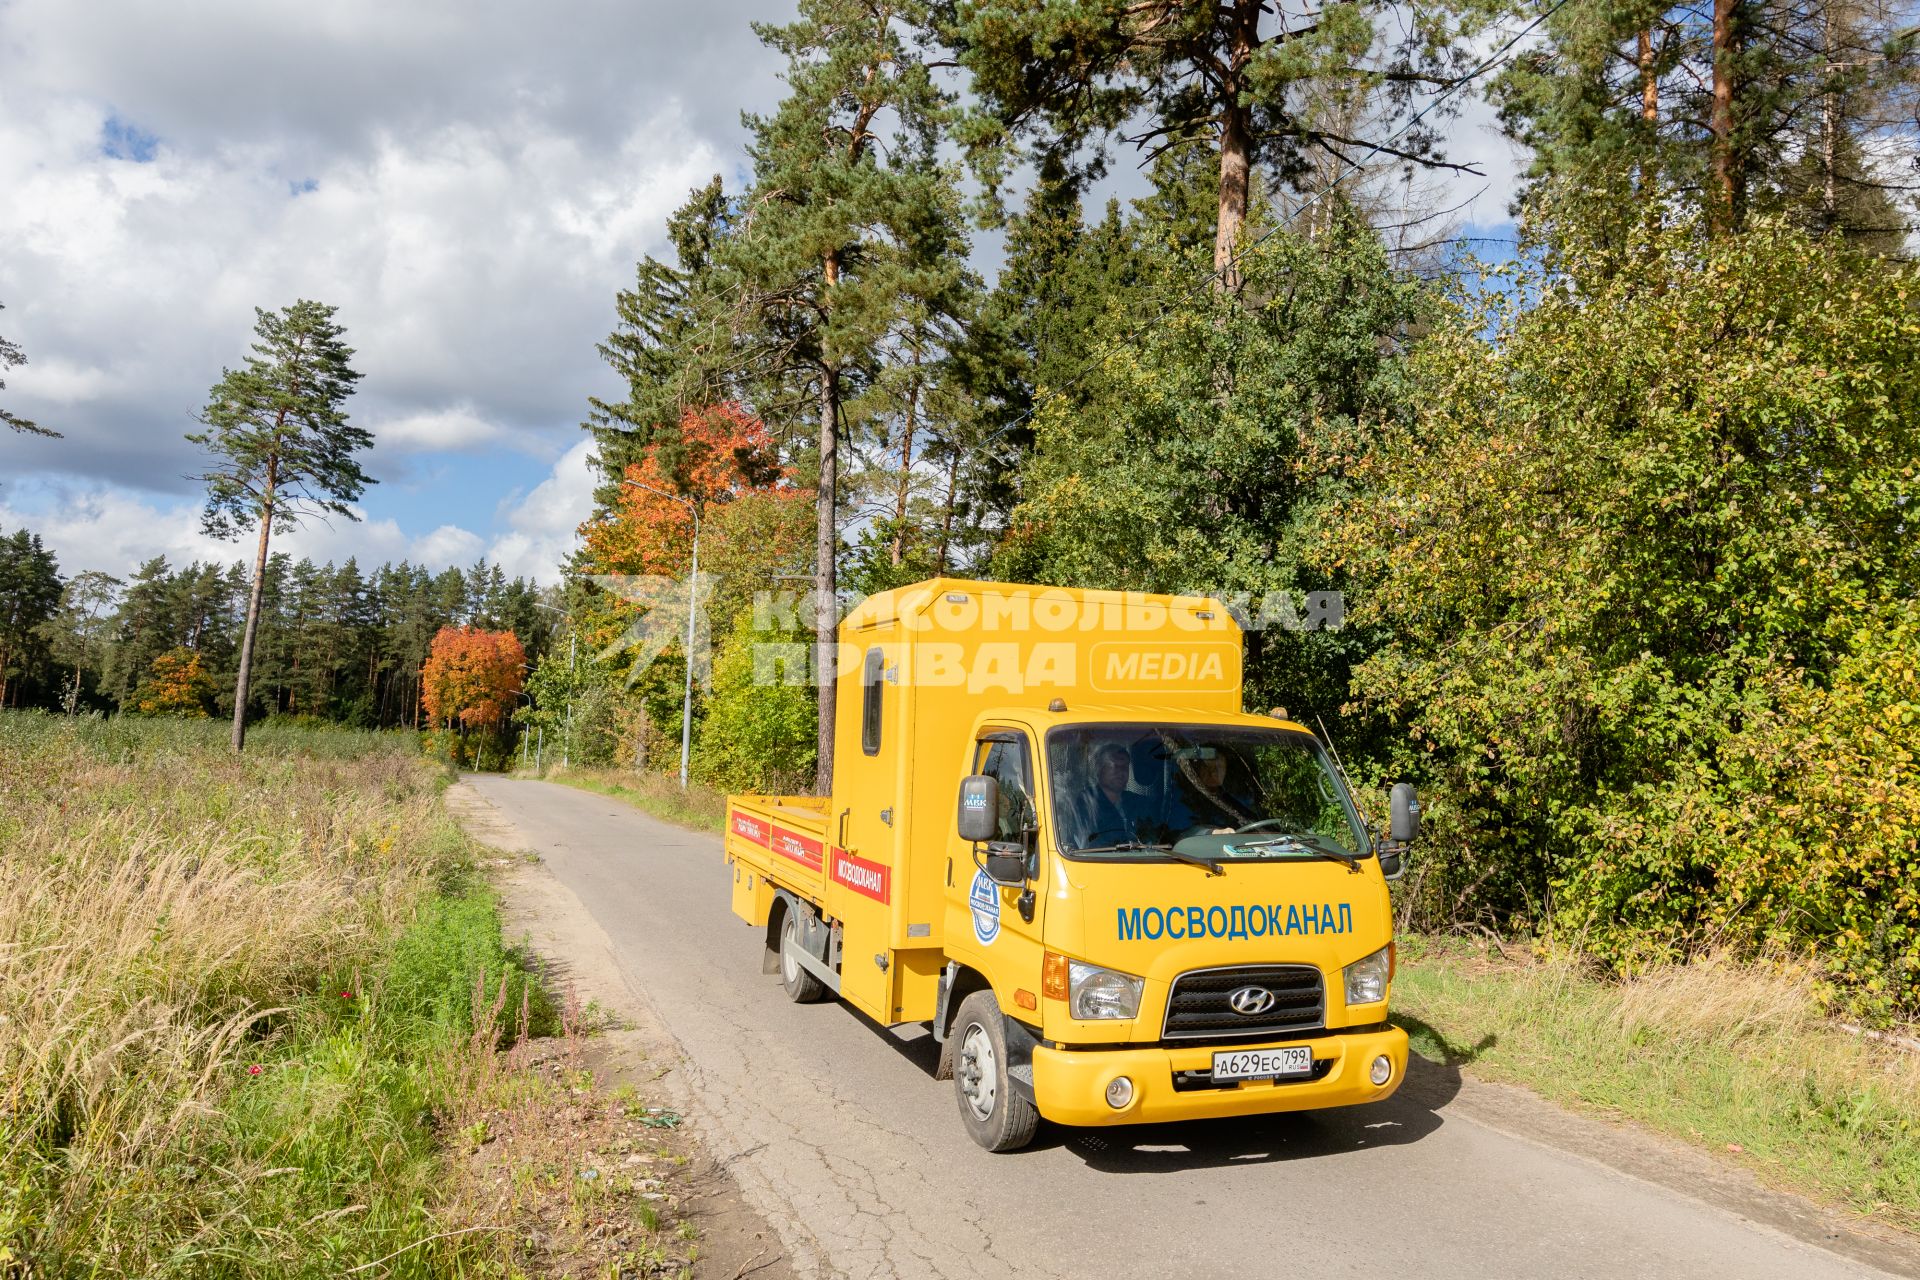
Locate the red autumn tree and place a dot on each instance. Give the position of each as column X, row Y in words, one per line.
column 472, row 676
column 721, row 454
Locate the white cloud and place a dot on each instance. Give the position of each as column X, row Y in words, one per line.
column 468, row 181
column 455, row 427
column 543, row 527
column 117, row 531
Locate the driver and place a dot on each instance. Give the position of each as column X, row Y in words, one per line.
column 1112, row 811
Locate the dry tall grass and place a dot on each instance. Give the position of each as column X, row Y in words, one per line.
column 168, row 914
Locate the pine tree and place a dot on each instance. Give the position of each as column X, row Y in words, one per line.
column 283, row 448
column 1230, row 77
column 1801, row 107
column 29, row 597
column 792, row 299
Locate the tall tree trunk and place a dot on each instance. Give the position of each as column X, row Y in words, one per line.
column 1725, row 201
column 946, row 519
column 1830, row 196
column 1649, row 116
column 1236, row 148
column 904, row 488
column 825, row 618
column 253, row 617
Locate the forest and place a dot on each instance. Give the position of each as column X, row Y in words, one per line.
column 1620, row 503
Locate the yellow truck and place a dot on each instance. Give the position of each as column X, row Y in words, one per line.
column 1056, row 836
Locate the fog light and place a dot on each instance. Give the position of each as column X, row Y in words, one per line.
column 1382, row 1069
column 1119, row 1093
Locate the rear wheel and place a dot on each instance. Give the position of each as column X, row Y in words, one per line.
column 802, row 987
column 996, row 1117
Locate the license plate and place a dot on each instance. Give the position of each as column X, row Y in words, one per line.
column 1263, row 1064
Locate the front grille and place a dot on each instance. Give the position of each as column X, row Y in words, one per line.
column 1198, row 1007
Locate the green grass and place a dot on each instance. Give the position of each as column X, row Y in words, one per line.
column 1735, row 1059
column 240, row 998
column 658, row 794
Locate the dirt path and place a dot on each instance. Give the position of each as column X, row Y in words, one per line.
column 736, row 1242
column 837, row 1137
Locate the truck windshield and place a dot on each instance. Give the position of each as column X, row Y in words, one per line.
column 1221, row 792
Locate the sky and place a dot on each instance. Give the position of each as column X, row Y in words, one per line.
column 468, row 183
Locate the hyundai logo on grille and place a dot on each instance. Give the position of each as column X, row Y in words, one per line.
column 1251, row 1002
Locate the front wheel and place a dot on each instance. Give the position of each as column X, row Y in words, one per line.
column 802, row 987
column 996, row 1117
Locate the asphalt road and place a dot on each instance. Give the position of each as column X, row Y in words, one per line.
column 841, row 1136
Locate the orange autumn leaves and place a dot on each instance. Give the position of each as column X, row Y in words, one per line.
column 472, row 676
column 723, row 455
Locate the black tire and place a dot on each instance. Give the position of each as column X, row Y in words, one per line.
column 801, row 986
column 995, row 1116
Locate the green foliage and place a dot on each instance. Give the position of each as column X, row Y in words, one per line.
column 278, row 427
column 758, row 733
column 1615, row 109
column 448, row 967
column 29, row 599
column 1202, row 447
column 1624, row 555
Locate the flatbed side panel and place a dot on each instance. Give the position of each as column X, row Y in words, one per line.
column 777, row 839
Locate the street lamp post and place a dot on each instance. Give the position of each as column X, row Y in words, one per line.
column 693, row 585
column 573, row 639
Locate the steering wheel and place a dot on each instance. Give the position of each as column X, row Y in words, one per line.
column 1257, row 824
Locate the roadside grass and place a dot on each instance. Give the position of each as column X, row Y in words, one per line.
column 699, row 808
column 1737, row 1059
column 239, row 997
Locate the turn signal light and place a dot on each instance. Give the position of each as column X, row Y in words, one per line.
column 1393, row 959
column 1053, row 976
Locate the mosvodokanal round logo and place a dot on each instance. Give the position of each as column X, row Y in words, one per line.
column 984, row 898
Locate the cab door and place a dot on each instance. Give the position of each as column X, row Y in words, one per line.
column 997, row 928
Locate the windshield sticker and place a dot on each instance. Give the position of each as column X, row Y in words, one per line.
column 984, row 899
column 1233, row 922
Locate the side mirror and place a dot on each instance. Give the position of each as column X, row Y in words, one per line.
column 1403, row 826
column 979, row 809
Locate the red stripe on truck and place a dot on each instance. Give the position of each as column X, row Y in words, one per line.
column 801, row 849
column 863, row 877
column 750, row 828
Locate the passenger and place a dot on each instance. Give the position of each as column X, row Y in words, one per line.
column 1204, row 804
column 1112, row 810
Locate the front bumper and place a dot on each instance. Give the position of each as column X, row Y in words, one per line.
column 1069, row 1085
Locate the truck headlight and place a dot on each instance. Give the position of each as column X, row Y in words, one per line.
column 1093, row 992
column 1367, row 978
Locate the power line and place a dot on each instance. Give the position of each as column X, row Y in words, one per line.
column 1354, row 166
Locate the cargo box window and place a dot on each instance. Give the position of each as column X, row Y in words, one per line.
column 873, row 678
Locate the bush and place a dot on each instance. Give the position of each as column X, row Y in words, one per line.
column 1645, row 568
column 760, row 733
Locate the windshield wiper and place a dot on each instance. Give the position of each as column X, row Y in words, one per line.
column 1350, row 860
column 1133, row 846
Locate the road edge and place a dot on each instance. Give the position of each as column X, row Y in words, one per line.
column 563, row 933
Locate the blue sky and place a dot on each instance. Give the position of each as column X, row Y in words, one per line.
column 468, row 181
